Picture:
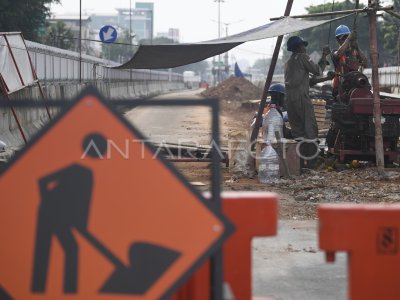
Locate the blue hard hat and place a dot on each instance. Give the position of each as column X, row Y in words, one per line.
column 342, row 30
column 277, row 87
column 293, row 41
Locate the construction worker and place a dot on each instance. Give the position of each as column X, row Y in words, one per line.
column 277, row 93
column 297, row 82
column 348, row 58
column 299, row 106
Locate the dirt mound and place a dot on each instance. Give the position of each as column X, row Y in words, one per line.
column 234, row 89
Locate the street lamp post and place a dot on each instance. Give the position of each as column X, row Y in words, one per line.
column 226, row 56
column 130, row 33
column 219, row 36
column 130, row 21
column 80, row 41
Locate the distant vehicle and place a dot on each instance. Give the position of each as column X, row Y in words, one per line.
column 204, row 85
column 190, row 79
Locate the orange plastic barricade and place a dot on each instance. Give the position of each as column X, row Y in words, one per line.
column 370, row 236
column 255, row 215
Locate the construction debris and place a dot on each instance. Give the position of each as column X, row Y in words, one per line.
column 234, row 89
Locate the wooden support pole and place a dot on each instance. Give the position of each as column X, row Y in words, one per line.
column 257, row 124
column 380, row 163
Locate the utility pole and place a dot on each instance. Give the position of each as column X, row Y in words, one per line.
column 130, row 33
column 226, row 58
column 80, row 41
column 373, row 5
column 219, row 36
column 130, row 21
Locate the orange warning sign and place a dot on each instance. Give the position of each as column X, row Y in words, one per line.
column 88, row 212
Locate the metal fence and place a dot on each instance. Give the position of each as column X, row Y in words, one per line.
column 54, row 64
column 388, row 76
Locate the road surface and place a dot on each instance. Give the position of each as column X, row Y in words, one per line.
column 289, row 266
column 181, row 125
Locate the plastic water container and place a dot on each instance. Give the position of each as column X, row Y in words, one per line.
column 272, row 122
column 268, row 168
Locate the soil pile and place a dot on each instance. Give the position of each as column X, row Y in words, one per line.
column 234, row 89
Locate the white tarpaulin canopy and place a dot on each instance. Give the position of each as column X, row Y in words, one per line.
column 174, row 55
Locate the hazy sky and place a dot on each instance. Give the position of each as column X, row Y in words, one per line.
column 197, row 19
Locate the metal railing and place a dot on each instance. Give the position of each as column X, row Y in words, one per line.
column 54, row 64
column 388, row 76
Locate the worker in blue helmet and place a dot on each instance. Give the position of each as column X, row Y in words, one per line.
column 277, row 93
column 348, row 58
column 299, row 106
column 277, row 100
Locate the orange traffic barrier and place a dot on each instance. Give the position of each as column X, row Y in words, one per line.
column 370, row 236
column 254, row 214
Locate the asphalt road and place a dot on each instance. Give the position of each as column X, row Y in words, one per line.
column 290, row 266
column 182, row 125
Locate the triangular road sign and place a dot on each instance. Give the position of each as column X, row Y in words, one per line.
column 88, row 212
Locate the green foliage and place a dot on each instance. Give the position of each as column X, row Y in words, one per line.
column 57, row 35
column 119, row 52
column 317, row 37
column 323, row 35
column 27, row 16
column 391, row 34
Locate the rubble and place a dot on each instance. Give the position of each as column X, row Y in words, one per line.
column 356, row 186
column 234, row 89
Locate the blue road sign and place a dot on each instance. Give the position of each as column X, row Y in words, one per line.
column 108, row 34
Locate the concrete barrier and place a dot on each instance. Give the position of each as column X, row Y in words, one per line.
column 32, row 119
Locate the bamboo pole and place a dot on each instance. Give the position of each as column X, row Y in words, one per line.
column 341, row 12
column 394, row 14
column 380, row 163
column 271, row 70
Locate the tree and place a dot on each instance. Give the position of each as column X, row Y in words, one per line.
column 320, row 36
column 391, row 34
column 59, row 36
column 25, row 16
column 121, row 51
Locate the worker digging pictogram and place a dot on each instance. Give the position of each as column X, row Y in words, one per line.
column 91, row 222
column 66, row 196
